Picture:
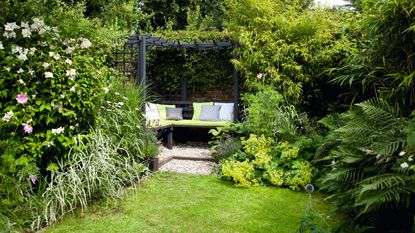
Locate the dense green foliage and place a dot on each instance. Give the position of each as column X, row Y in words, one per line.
column 46, row 88
column 99, row 166
column 372, row 176
column 190, row 21
column 60, row 146
column 296, row 60
column 121, row 118
column 263, row 162
column 268, row 113
column 268, row 146
column 202, row 70
column 288, row 47
column 370, row 169
column 383, row 65
column 160, row 15
column 325, row 61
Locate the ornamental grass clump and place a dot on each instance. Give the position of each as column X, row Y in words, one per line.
column 121, row 118
column 94, row 172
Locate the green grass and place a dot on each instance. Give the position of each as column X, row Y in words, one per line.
column 169, row 202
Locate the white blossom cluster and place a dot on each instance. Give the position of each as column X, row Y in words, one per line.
column 57, row 131
column 13, row 34
column 7, row 116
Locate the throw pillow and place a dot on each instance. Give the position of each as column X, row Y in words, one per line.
column 197, row 108
column 174, row 113
column 210, row 113
column 162, row 110
column 226, row 113
column 151, row 112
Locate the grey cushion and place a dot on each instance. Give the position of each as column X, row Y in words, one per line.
column 174, row 113
column 210, row 113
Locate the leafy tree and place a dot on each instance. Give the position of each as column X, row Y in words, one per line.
column 287, row 46
column 200, row 15
column 384, row 64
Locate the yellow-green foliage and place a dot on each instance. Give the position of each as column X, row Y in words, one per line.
column 242, row 173
column 281, row 166
column 275, row 177
column 288, row 151
column 300, row 176
column 259, row 147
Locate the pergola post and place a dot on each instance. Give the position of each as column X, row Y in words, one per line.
column 183, row 87
column 141, row 79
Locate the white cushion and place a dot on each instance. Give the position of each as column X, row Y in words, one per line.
column 226, row 111
column 151, row 112
column 210, row 113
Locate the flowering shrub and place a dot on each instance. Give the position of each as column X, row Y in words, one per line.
column 263, row 162
column 49, row 87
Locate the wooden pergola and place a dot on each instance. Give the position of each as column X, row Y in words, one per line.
column 147, row 40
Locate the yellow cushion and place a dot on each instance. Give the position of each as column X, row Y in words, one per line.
column 197, row 108
column 201, row 123
column 161, row 108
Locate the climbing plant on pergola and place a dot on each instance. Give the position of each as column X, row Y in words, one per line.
column 141, row 42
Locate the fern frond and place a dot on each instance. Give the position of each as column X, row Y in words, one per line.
column 359, row 180
column 344, row 175
column 332, row 121
column 383, row 197
column 379, row 110
column 382, row 181
column 386, row 148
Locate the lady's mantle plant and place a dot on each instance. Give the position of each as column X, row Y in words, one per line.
column 48, row 89
column 264, row 162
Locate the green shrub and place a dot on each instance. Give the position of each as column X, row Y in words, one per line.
column 226, row 148
column 103, row 26
column 286, row 45
column 49, row 89
column 242, row 173
column 372, row 169
column 99, row 165
column 37, row 133
column 382, row 64
column 263, row 162
column 267, row 113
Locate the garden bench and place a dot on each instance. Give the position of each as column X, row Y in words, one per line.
column 187, row 121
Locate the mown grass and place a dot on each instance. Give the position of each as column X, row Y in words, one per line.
column 169, row 202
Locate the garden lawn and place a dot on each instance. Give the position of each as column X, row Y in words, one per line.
column 169, row 202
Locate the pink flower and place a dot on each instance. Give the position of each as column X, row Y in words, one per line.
column 33, row 179
column 21, row 98
column 27, row 128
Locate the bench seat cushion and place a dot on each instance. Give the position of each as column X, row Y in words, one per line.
column 195, row 123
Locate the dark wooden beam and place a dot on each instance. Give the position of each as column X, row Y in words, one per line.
column 160, row 42
column 183, row 87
